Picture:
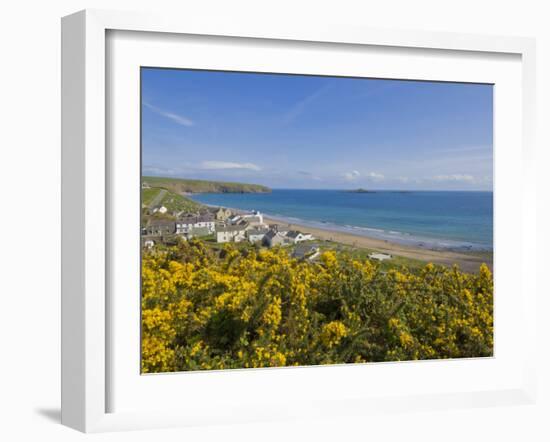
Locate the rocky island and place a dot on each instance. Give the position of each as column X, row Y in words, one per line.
column 360, row 190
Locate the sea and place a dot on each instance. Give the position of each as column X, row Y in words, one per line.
column 443, row 220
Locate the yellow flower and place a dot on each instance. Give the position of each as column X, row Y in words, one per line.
column 329, row 259
column 205, row 308
column 333, row 332
column 406, row 339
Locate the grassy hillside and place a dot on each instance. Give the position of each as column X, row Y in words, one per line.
column 174, row 202
column 179, row 185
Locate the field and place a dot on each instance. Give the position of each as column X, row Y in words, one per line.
column 363, row 253
column 172, row 201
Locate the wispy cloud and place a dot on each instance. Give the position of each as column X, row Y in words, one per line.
column 309, row 175
column 176, row 118
column 466, row 149
column 355, row 175
column 301, row 105
column 223, row 165
column 375, row 176
column 454, row 178
column 156, row 170
column 446, row 163
column 352, row 176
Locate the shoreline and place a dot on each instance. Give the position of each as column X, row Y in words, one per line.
column 415, row 240
column 467, row 261
column 394, row 237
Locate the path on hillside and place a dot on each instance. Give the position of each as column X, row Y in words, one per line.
column 157, row 199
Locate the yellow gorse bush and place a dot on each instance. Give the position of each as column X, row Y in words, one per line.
column 332, row 333
column 203, row 309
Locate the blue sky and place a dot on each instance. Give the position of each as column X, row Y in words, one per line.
column 288, row 131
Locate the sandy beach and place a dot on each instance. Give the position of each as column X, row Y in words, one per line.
column 468, row 262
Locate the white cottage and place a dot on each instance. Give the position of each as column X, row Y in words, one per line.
column 231, row 233
column 254, row 219
column 158, row 209
column 256, row 235
column 184, row 225
column 306, row 251
column 380, row 256
column 274, row 238
column 295, row 237
column 223, row 214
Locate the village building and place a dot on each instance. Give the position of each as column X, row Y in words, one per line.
column 254, row 219
column 256, row 234
column 380, row 256
column 306, row 251
column 147, row 243
column 295, row 237
column 222, row 214
column 145, row 185
column 283, row 230
column 274, row 238
column 243, row 222
column 198, row 232
column 158, row 209
column 183, row 225
column 159, row 227
column 230, row 233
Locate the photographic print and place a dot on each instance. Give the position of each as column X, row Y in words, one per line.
column 304, row 220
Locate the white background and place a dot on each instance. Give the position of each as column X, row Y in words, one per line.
column 193, row 394
column 29, row 218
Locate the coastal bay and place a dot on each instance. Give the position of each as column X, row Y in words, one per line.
column 467, row 261
column 441, row 227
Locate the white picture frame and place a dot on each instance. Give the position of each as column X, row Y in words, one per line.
column 86, row 199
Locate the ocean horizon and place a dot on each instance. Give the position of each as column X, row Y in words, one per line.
column 451, row 220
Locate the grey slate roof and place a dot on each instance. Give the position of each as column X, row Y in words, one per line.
column 293, row 234
column 206, row 218
column 161, row 223
column 257, row 232
column 302, row 250
column 231, row 228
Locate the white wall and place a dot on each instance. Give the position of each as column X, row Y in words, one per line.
column 30, row 179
